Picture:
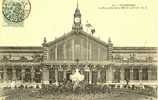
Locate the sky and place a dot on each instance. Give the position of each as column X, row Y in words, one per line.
column 53, row 18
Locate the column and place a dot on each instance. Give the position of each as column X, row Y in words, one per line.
column 56, row 52
column 109, row 75
column 140, row 75
column 5, row 74
column 149, row 74
column 56, row 76
column 14, row 74
column 90, row 76
column 114, row 71
column 32, row 74
column 82, row 71
column 122, row 75
column 45, row 76
column 23, row 75
column 131, row 74
column 65, row 75
column 98, row 76
column 73, row 53
column 64, row 51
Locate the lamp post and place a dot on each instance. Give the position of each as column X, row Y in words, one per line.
column 77, row 61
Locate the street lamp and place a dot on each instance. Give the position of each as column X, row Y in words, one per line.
column 77, row 61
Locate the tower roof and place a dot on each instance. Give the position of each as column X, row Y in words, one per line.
column 77, row 11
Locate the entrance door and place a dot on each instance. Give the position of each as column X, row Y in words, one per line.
column 68, row 73
column 117, row 75
column 94, row 77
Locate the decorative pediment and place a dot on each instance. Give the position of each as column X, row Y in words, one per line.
column 72, row 33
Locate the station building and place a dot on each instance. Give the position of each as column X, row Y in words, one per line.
column 99, row 61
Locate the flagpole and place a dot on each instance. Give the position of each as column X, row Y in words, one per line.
column 87, row 27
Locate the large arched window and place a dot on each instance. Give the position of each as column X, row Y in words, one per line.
column 135, row 74
column 51, row 75
column 38, row 75
column 127, row 74
column 94, row 76
column 9, row 74
column 18, row 74
column 27, row 75
column 117, row 75
column 103, row 75
column 86, row 76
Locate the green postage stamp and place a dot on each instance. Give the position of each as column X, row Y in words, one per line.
column 15, row 11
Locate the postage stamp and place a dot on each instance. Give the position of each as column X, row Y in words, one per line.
column 15, row 11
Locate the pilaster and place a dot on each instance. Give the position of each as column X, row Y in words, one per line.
column 14, row 74
column 56, row 52
column 5, row 74
column 90, row 76
column 45, row 75
column 109, row 74
column 56, row 76
column 131, row 74
column 140, row 75
column 32, row 74
column 23, row 75
column 122, row 75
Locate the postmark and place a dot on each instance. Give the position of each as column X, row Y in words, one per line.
column 16, row 11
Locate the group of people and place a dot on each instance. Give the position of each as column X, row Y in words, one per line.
column 82, row 87
column 76, row 87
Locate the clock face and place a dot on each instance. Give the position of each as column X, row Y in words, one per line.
column 77, row 19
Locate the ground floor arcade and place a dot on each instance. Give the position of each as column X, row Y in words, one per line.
column 55, row 73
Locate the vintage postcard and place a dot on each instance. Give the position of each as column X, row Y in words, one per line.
column 78, row 49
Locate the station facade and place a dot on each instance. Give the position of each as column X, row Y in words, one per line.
column 99, row 61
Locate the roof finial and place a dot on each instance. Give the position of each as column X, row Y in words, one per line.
column 77, row 4
column 44, row 40
column 109, row 40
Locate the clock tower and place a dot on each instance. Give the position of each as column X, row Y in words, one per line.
column 77, row 26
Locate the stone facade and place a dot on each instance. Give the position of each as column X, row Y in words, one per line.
column 98, row 61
